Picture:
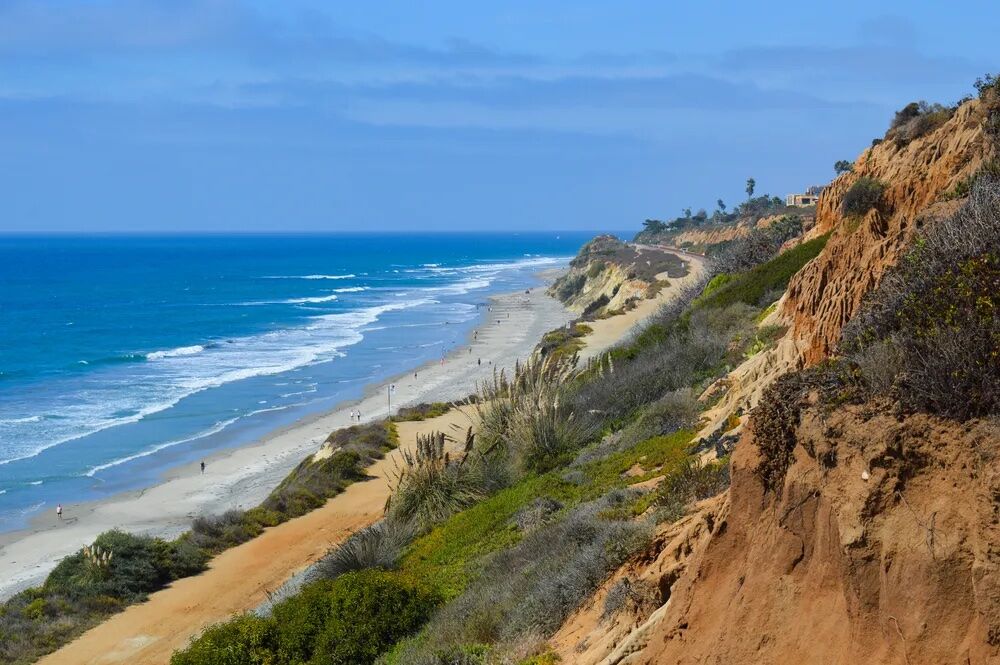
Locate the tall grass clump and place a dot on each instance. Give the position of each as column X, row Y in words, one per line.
column 527, row 419
column 431, row 485
column 377, row 546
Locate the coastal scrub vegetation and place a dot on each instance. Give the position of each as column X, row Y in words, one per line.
column 422, row 411
column 351, row 619
column 120, row 569
column 514, row 527
column 929, row 335
column 541, row 495
column 864, row 195
column 917, row 119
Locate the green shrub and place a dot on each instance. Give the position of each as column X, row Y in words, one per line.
column 244, row 640
column 353, row 619
column 563, row 343
column 751, row 287
column 864, row 195
column 138, row 565
column 422, row 411
column 369, row 612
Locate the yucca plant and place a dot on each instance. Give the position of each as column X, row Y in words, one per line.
column 430, row 485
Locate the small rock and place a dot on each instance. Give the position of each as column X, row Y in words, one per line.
column 865, row 475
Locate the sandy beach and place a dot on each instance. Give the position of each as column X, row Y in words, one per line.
column 243, row 477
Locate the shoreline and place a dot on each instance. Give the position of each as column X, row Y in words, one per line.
column 242, row 476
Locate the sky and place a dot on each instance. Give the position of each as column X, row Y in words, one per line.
column 308, row 115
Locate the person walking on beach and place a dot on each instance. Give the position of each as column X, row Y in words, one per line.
column 479, row 362
column 59, row 511
column 203, row 466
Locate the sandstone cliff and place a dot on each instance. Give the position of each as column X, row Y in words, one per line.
column 863, row 537
column 824, row 295
column 876, row 546
column 611, row 275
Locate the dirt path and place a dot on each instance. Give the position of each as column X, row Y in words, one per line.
column 605, row 333
column 239, row 579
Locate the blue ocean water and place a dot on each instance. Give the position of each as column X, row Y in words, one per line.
column 123, row 355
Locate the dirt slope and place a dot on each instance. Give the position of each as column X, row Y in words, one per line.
column 830, row 567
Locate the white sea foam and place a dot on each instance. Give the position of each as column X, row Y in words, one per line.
column 215, row 429
column 174, row 353
column 351, row 289
column 18, row 421
column 315, row 299
column 178, row 373
column 348, row 276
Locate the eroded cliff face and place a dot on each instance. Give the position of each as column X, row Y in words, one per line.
column 610, row 275
column 828, row 291
column 879, row 539
column 877, row 545
column 605, row 282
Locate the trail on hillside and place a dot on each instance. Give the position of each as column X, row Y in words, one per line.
column 240, row 579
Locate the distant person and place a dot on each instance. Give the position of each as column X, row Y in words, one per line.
column 203, row 466
column 59, row 511
column 479, row 362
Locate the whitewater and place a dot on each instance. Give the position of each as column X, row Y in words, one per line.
column 143, row 353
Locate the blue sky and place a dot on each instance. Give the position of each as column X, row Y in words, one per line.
column 215, row 115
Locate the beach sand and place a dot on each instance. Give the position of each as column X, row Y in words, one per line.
column 243, row 477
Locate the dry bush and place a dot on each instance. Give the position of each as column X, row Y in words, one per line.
column 637, row 597
column 917, row 119
column 774, row 422
column 683, row 356
column 759, row 246
column 693, row 481
column 934, row 317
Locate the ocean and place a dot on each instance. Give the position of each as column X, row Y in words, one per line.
column 122, row 356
